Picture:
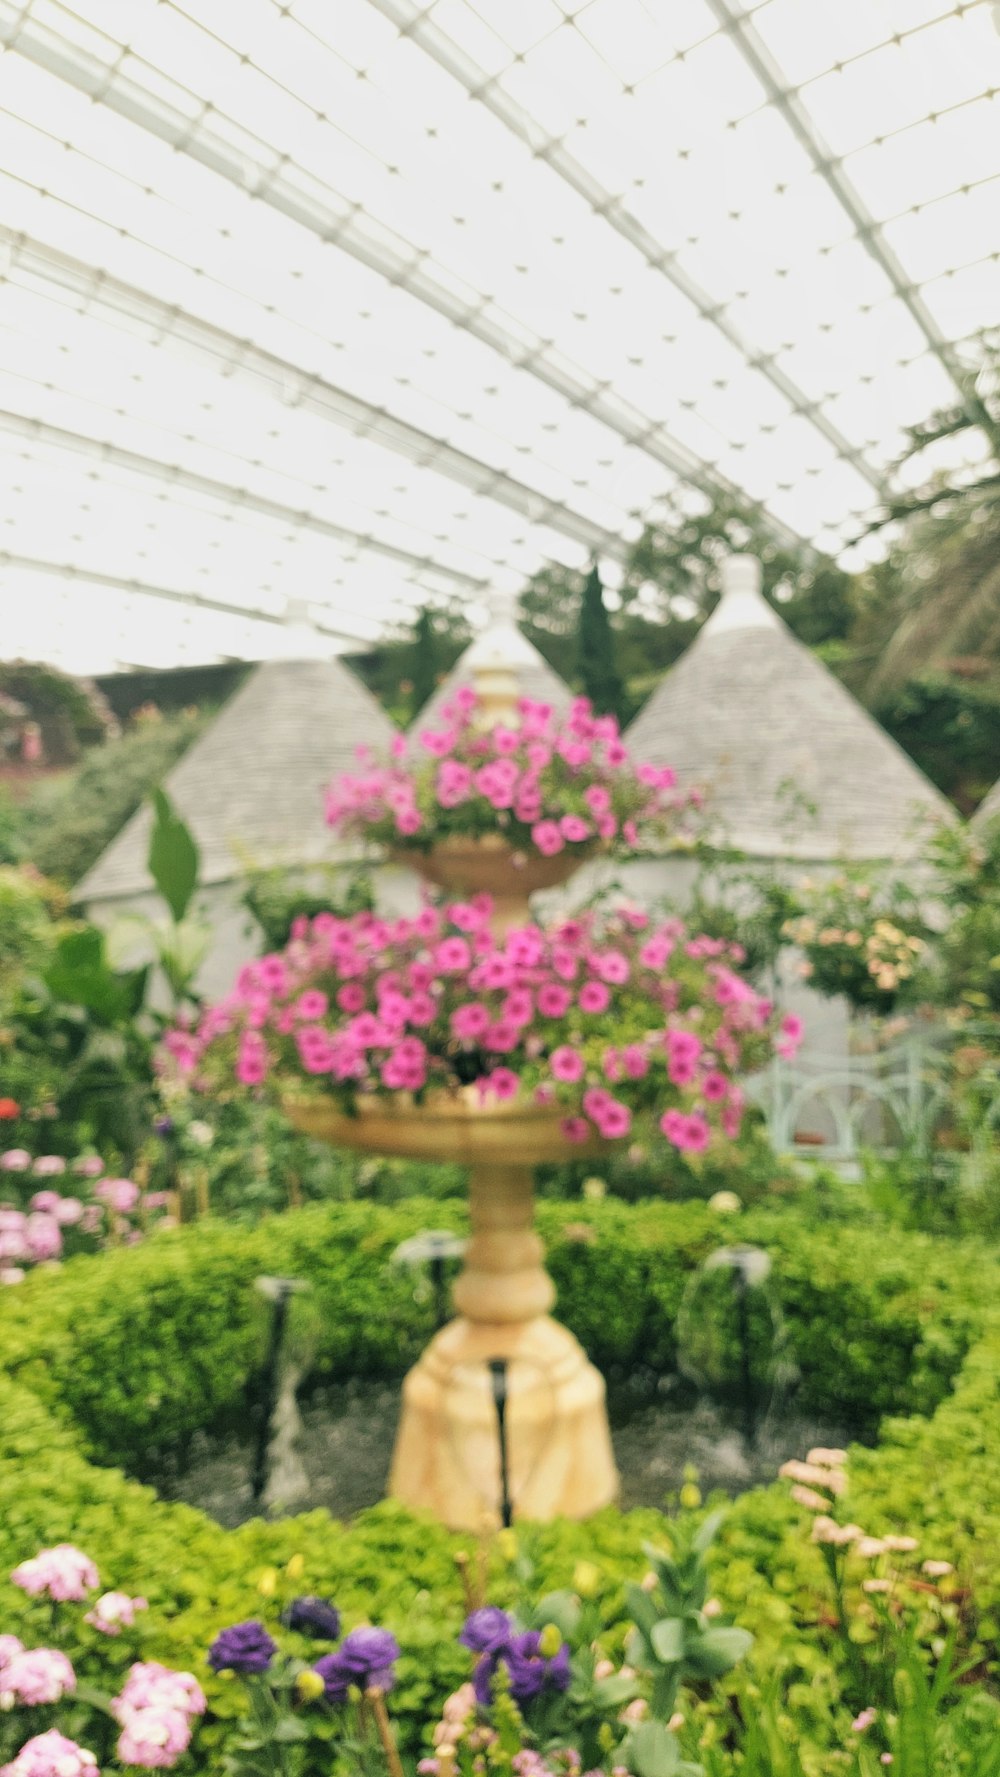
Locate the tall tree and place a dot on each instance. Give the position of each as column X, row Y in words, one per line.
column 425, row 668
column 595, row 639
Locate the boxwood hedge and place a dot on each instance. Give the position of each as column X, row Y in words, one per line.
column 112, row 1357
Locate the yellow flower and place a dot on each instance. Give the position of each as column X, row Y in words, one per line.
column 550, row 1641
column 586, row 1579
column 296, row 1567
column 507, row 1544
column 309, row 1686
column 268, row 1583
column 690, row 1496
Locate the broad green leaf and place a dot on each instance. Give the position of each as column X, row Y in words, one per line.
column 667, row 1637
column 650, row 1750
column 641, row 1608
column 717, row 1651
column 173, row 856
column 707, row 1532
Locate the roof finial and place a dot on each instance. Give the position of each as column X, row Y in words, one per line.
column 742, row 605
column 494, row 658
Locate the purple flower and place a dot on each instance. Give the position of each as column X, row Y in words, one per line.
column 245, row 1647
column 315, row 1617
column 530, row 1671
column 364, row 1659
column 487, row 1631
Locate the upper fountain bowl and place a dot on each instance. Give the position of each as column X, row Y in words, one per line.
column 449, row 1126
column 491, row 865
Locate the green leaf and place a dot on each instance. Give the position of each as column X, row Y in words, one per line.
column 667, row 1637
column 561, row 1608
column 641, row 1608
column 288, row 1729
column 707, row 1532
column 650, row 1750
column 173, row 856
column 717, row 1651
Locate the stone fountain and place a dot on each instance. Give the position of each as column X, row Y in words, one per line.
column 447, row 1457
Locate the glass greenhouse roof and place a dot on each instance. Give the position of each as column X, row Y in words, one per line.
column 373, row 301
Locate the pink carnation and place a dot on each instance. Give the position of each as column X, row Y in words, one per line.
column 51, row 1755
column 154, row 1738
column 62, row 1573
column 38, row 1675
column 114, row 1611
column 152, row 1686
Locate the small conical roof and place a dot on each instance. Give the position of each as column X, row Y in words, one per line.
column 989, row 808
column 251, row 787
column 504, row 644
column 790, row 763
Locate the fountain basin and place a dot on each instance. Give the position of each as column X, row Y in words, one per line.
column 456, row 1126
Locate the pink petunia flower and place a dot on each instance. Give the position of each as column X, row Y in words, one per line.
column 566, row 1063
column 594, row 997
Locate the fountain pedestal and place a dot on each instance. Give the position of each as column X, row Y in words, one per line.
column 447, row 1456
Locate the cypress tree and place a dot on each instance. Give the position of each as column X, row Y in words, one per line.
column 424, row 669
column 596, row 651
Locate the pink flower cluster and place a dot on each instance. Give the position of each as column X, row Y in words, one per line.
column 605, row 1017
column 156, row 1709
column 548, row 784
column 38, row 1233
column 114, row 1611
column 63, row 1573
column 35, row 1675
column 51, row 1755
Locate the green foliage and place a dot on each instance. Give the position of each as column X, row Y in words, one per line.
column 276, row 898
column 70, row 822
column 71, row 713
column 172, row 1327
column 406, row 660
column 599, row 677
column 950, row 725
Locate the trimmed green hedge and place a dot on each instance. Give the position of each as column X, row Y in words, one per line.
column 140, row 1348
column 145, row 1346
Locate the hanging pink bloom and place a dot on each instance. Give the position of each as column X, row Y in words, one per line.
column 452, row 956
column 593, row 997
column 547, row 838
column 575, row 1129
column 714, row 1087
column 554, row 1000
column 614, row 1121
column 504, row 1083
column 635, row 1061
column 574, row 828
column 470, row 1021
column 566, row 1064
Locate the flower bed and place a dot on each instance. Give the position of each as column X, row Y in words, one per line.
column 937, row 1479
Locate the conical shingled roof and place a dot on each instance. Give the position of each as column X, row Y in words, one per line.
column 535, row 677
column 251, row 787
column 791, row 764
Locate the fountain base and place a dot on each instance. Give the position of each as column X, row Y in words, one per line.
column 447, row 1457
